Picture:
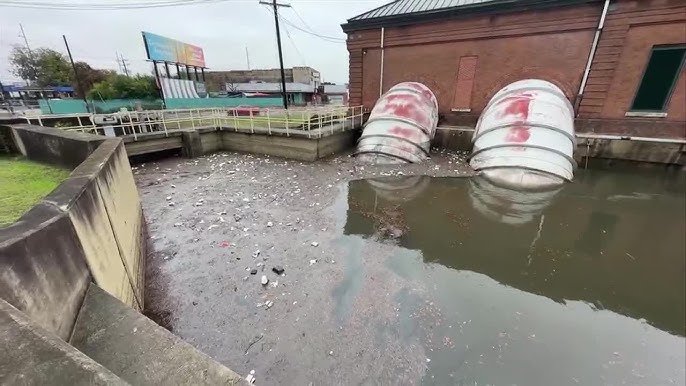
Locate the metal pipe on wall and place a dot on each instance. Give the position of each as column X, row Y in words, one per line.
column 591, row 55
column 383, row 30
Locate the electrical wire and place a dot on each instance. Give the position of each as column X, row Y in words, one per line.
column 302, row 58
column 105, row 6
column 329, row 39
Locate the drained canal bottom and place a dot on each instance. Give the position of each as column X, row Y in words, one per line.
column 418, row 279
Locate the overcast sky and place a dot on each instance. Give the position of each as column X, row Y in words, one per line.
column 222, row 29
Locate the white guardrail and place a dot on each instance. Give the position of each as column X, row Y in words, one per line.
column 311, row 122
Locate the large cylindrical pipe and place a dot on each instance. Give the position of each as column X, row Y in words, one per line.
column 525, row 136
column 401, row 125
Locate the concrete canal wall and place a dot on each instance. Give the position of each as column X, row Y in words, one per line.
column 601, row 147
column 90, row 228
column 203, row 140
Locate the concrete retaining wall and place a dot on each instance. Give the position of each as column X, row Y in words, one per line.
column 459, row 138
column 89, row 228
column 300, row 148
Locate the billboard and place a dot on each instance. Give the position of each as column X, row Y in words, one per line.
column 164, row 49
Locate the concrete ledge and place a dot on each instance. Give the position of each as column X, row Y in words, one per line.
column 138, row 350
column 300, row 148
column 33, row 356
column 459, row 138
column 54, row 146
column 89, row 228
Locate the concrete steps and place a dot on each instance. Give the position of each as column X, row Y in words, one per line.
column 34, row 356
column 139, row 351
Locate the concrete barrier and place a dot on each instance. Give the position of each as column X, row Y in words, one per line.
column 89, row 228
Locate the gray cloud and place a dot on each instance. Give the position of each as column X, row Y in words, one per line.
column 222, row 29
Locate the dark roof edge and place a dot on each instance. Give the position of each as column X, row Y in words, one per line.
column 458, row 11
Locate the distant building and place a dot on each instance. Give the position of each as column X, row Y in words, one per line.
column 217, row 80
column 296, row 93
column 467, row 50
column 302, row 83
column 335, row 94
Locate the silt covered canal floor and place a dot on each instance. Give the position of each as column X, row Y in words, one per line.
column 404, row 275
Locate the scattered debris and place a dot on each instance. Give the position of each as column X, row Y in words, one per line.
column 256, row 339
column 315, row 244
column 256, row 253
column 251, row 377
column 269, row 304
column 313, row 261
column 278, row 269
column 270, row 224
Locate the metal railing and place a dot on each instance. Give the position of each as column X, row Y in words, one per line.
column 313, row 122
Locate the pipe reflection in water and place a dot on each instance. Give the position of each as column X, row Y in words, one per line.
column 506, row 205
column 586, row 280
column 398, row 189
column 388, row 219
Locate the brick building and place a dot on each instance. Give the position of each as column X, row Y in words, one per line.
column 466, row 50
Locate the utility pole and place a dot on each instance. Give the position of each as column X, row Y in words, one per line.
column 247, row 57
column 276, row 6
column 76, row 74
column 124, row 62
column 33, row 67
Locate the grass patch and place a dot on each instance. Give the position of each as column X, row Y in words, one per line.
column 23, row 184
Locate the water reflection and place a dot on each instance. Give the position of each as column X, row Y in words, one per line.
column 592, row 241
column 507, row 205
column 586, row 282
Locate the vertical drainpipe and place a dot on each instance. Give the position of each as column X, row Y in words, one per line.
column 381, row 78
column 591, row 55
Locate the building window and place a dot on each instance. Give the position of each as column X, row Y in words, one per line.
column 466, row 71
column 659, row 78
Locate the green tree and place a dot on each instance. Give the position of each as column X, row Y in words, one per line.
column 45, row 67
column 124, row 87
column 89, row 76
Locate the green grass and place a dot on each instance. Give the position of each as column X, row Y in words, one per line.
column 23, row 184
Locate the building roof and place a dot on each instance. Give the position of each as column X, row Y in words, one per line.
column 403, row 12
column 399, row 7
column 269, row 87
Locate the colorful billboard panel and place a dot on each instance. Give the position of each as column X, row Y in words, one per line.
column 164, row 49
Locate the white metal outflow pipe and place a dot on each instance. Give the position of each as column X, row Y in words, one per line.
column 400, row 126
column 525, row 136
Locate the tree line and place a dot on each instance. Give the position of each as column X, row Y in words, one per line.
column 44, row 67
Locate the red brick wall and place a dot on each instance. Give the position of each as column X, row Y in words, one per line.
column 548, row 44
column 631, row 29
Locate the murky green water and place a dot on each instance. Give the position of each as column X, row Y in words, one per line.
column 584, row 285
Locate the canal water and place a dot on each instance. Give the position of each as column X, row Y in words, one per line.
column 581, row 285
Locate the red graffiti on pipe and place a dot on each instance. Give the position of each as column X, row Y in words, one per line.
column 405, row 106
column 517, row 106
column 402, row 132
column 518, row 134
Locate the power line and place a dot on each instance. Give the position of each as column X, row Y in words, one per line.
column 329, row 39
column 302, row 58
column 101, row 7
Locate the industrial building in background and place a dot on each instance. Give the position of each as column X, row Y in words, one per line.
column 303, row 85
column 620, row 63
